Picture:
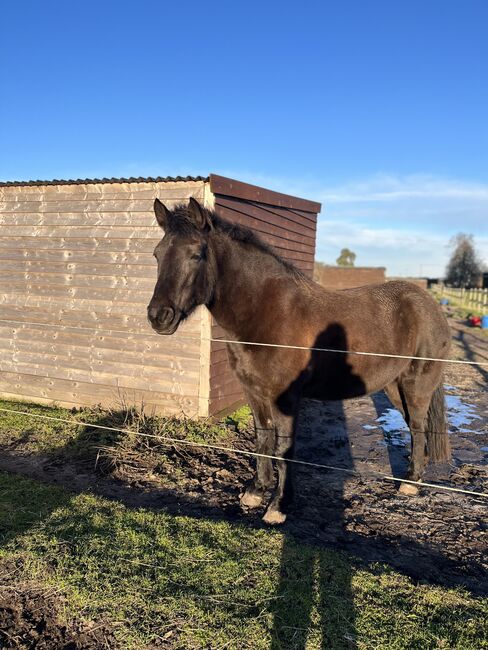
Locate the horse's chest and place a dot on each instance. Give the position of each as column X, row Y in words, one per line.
column 251, row 368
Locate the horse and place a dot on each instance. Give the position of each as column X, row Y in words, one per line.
column 258, row 297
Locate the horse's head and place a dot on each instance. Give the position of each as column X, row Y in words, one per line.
column 184, row 267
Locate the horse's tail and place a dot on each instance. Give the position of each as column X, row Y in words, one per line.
column 438, row 446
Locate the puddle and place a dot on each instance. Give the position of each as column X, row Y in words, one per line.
column 460, row 415
column 394, row 428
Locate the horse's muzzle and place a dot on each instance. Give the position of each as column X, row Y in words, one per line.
column 164, row 321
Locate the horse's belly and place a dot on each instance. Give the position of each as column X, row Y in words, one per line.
column 344, row 383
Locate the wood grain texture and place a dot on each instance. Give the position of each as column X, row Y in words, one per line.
column 81, row 256
column 231, row 187
column 76, row 393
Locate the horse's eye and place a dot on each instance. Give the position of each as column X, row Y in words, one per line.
column 197, row 256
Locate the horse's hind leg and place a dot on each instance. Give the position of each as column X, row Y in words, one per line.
column 416, row 394
column 265, row 442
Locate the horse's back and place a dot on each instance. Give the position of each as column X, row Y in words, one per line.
column 395, row 316
column 391, row 297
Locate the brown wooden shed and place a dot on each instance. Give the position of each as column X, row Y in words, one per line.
column 77, row 273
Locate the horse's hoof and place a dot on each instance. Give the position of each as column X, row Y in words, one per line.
column 274, row 517
column 408, row 490
column 251, row 499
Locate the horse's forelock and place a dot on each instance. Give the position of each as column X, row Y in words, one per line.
column 180, row 223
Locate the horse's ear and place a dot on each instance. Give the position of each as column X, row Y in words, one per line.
column 162, row 214
column 199, row 215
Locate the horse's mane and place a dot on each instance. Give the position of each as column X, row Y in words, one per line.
column 182, row 225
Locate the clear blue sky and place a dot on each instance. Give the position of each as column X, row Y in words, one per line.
column 377, row 108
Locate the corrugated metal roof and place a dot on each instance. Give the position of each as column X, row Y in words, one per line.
column 94, row 181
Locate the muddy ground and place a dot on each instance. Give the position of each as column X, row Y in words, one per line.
column 439, row 537
column 32, row 618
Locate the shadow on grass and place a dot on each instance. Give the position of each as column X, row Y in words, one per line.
column 315, row 586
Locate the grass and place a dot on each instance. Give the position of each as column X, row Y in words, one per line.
column 192, row 582
column 458, row 310
column 35, row 435
column 205, row 584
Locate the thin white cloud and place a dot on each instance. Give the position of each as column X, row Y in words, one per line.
column 389, row 188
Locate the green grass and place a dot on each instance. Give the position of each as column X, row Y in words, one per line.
column 240, row 418
column 35, row 435
column 201, row 583
column 209, row 584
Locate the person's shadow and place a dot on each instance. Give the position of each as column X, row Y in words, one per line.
column 314, row 601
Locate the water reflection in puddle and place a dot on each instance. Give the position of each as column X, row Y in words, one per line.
column 460, row 415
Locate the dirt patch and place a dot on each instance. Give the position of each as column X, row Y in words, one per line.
column 34, row 618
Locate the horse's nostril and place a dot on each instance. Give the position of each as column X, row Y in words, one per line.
column 152, row 313
column 160, row 317
column 166, row 315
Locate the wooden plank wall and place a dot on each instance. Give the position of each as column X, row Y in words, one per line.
column 80, row 256
column 288, row 224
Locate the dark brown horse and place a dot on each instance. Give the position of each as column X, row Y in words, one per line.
column 256, row 296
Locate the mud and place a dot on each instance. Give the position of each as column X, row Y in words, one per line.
column 32, row 618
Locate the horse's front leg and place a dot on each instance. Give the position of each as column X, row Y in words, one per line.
column 265, row 443
column 283, row 496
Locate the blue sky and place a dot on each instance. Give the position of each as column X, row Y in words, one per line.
column 379, row 109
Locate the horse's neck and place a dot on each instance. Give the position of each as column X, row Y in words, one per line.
column 243, row 286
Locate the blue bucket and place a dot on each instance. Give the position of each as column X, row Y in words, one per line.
column 484, row 322
column 444, row 301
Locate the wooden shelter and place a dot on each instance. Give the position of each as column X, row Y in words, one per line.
column 77, row 273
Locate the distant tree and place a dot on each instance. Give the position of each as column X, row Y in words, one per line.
column 464, row 267
column 346, row 258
